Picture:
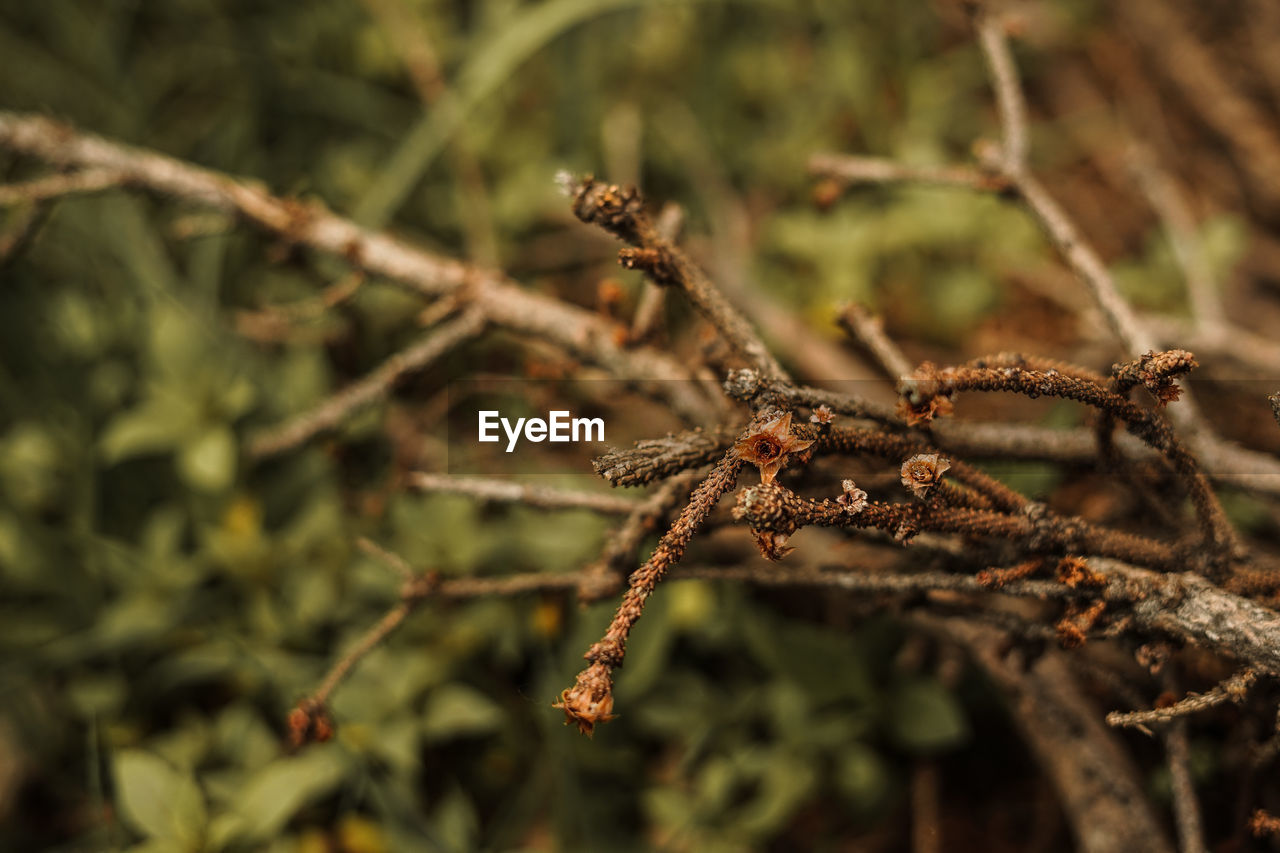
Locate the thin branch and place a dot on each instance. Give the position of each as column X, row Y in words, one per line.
column 851, row 170
column 868, row 331
column 752, row 387
column 1220, row 101
column 604, row 577
column 658, row 458
column 56, row 186
column 374, row 386
column 620, row 211
column 1180, row 230
column 1233, row 689
column 503, row 491
column 590, row 700
column 501, row 301
column 1009, row 98
column 1186, row 806
column 653, row 298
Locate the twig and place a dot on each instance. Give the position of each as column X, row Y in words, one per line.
column 26, row 224
column 1200, row 77
column 926, row 835
column 1097, row 784
column 927, row 392
column 1180, row 230
column 868, row 331
column 848, row 169
column 648, row 313
column 658, row 458
column 590, row 700
column 375, row 385
column 750, row 386
column 1231, row 690
column 1275, row 405
column 503, row 491
column 501, row 301
column 1186, row 806
column 604, row 577
column 771, row 507
column 620, row 211
column 1009, row 98
column 56, row 186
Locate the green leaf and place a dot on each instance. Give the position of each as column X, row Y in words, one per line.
column 208, row 461
column 924, row 717
column 862, row 775
column 156, row 425
column 157, row 800
column 276, row 793
column 456, row 710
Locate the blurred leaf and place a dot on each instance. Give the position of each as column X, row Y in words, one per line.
column 862, row 775
column 208, row 461
column 924, row 717
column 273, row 795
column 157, row 800
column 456, row 710
column 158, row 424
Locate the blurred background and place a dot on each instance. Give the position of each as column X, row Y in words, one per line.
column 164, row 600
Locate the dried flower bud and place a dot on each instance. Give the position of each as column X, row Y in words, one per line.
column 310, row 722
column 768, row 447
column 853, row 499
column 588, row 702
column 1075, row 572
column 922, row 472
column 822, row 415
column 772, row 544
column 926, row 410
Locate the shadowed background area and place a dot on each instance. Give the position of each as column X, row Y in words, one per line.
column 180, row 513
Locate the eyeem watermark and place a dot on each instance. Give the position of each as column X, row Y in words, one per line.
column 560, row 426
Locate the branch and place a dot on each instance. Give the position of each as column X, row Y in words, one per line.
column 1100, row 789
column 1233, row 689
column 504, row 491
column 1009, row 98
column 868, row 331
column 658, row 458
column 851, row 170
column 56, row 186
column 374, row 386
column 620, row 211
column 590, row 700
column 499, row 300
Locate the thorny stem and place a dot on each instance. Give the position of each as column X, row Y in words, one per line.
column 1233, row 689
column 774, row 508
column 590, row 700
column 926, row 392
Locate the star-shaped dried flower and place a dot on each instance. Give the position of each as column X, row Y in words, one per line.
column 921, row 472
column 768, row 447
column 926, row 410
column 822, row 415
column 853, row 499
